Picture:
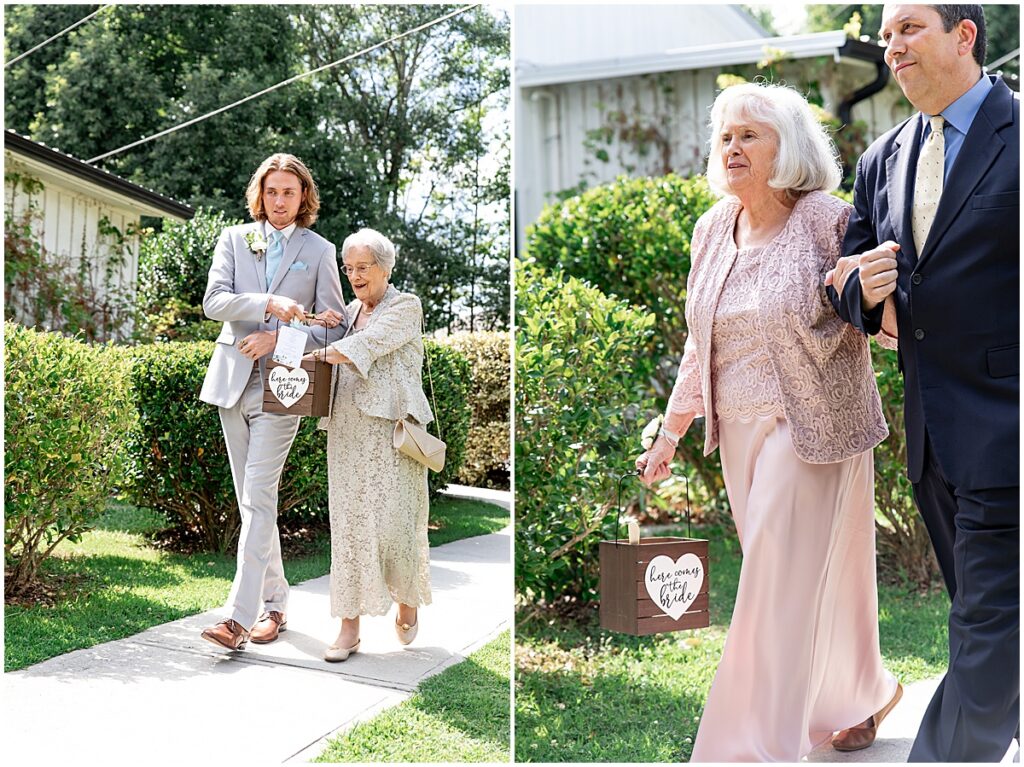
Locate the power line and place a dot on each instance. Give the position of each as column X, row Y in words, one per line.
column 1003, row 59
column 59, row 34
column 283, row 83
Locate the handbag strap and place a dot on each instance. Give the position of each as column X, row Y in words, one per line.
column 430, row 378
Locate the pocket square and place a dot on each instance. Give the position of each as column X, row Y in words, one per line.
column 298, row 266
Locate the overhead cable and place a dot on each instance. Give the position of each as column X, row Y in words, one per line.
column 78, row 23
column 283, row 83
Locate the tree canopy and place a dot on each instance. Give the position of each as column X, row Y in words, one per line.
column 411, row 139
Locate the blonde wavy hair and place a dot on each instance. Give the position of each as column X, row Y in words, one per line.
column 310, row 206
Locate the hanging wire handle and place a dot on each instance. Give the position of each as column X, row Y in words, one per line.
column 307, row 317
column 618, row 502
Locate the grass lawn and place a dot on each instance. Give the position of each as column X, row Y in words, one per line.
column 460, row 715
column 117, row 584
column 588, row 695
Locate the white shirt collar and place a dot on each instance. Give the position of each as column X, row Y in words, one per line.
column 287, row 231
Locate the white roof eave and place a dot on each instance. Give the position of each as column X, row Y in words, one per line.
column 682, row 59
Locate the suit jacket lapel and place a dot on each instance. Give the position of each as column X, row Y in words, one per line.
column 899, row 177
column 291, row 250
column 979, row 151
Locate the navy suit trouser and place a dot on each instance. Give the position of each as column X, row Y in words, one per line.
column 976, row 534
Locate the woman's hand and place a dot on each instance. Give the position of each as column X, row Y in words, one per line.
column 328, row 317
column 333, row 356
column 653, row 464
column 837, row 277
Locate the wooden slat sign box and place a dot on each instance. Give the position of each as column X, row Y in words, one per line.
column 654, row 586
column 305, row 390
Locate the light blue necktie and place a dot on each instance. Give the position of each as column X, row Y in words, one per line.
column 274, row 253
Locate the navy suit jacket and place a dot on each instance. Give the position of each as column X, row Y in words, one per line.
column 957, row 303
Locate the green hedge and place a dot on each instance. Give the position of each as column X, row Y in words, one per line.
column 67, row 411
column 487, row 449
column 579, row 387
column 180, row 464
column 631, row 240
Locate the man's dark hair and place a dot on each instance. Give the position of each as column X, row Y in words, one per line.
column 954, row 14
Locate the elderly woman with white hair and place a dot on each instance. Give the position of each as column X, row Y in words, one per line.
column 377, row 496
column 790, row 400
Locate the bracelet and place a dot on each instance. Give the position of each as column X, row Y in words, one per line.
column 672, row 437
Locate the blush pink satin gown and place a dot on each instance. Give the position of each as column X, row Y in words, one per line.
column 801, row 659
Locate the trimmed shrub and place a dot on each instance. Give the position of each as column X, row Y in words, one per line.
column 180, row 463
column 487, row 450
column 631, row 240
column 452, row 376
column 67, row 411
column 579, row 387
column 173, row 269
column 904, row 548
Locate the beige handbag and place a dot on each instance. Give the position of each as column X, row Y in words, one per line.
column 415, row 441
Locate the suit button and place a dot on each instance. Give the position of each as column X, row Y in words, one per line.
column 919, row 334
column 916, row 279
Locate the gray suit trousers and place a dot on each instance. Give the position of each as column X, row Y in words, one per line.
column 258, row 445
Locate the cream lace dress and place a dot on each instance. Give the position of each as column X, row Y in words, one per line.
column 378, row 507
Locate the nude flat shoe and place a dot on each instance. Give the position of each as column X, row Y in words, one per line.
column 334, row 654
column 856, row 738
column 405, row 632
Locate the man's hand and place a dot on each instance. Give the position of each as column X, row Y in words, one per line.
column 844, row 268
column 258, row 344
column 878, row 274
column 285, row 309
column 653, row 464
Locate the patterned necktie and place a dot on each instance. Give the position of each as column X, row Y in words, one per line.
column 928, row 182
column 274, row 253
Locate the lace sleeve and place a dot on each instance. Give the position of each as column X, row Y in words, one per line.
column 686, row 394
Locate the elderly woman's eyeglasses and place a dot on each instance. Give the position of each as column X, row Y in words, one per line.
column 360, row 270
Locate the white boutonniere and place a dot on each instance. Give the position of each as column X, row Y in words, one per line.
column 256, row 243
column 650, row 432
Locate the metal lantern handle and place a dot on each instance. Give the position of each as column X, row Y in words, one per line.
column 322, row 359
column 618, row 502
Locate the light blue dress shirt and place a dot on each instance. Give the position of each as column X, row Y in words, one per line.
column 959, row 117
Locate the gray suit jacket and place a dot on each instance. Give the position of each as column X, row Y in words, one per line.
column 237, row 295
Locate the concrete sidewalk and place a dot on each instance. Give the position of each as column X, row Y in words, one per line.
column 166, row 695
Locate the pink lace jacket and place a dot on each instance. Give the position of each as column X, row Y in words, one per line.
column 822, row 364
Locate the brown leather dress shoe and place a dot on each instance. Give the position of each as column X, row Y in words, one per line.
column 863, row 735
column 227, row 633
column 268, row 627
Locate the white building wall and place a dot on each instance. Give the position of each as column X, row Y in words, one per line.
column 67, row 223
column 553, row 123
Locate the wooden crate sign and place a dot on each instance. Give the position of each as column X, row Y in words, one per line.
column 654, row 586
column 306, row 390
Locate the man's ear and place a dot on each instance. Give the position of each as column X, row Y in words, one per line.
column 966, row 34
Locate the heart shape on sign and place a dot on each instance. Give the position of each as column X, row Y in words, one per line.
column 288, row 385
column 674, row 586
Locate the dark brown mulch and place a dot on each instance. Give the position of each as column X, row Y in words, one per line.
column 46, row 590
column 298, row 538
